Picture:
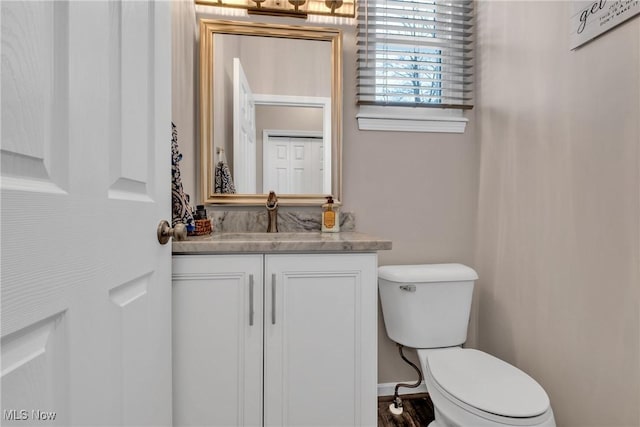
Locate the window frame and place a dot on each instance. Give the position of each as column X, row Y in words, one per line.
column 428, row 117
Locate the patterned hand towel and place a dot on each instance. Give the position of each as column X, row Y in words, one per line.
column 179, row 199
column 223, row 180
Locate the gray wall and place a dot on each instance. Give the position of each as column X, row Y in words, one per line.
column 184, row 32
column 225, row 48
column 559, row 208
column 276, row 66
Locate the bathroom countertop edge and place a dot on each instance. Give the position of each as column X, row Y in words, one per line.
column 280, row 242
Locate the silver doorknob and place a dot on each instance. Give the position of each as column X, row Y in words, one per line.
column 165, row 232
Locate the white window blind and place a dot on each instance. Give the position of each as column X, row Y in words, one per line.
column 415, row 53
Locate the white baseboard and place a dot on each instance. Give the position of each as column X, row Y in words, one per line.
column 387, row 389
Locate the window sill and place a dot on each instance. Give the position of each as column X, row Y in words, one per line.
column 408, row 119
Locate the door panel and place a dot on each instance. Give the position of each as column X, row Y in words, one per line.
column 33, row 368
column 35, row 152
column 131, row 100
column 85, row 180
column 134, row 342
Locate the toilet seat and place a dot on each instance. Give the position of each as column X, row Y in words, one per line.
column 485, row 386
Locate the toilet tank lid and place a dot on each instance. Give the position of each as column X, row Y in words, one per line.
column 421, row 273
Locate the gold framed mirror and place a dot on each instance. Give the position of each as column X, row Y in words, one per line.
column 270, row 113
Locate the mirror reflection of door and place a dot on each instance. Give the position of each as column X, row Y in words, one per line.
column 293, row 164
column 293, row 129
column 244, row 131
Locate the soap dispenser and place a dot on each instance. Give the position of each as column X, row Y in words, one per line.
column 330, row 217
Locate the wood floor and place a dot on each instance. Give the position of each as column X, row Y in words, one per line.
column 418, row 411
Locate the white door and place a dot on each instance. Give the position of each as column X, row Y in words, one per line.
column 277, row 170
column 85, row 179
column 244, row 132
column 293, row 165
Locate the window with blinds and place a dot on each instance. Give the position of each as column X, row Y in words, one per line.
column 415, row 53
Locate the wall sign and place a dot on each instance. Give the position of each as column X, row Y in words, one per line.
column 591, row 18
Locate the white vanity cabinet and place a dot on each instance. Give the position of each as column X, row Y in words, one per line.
column 275, row 339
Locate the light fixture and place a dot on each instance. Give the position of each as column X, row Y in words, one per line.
column 295, row 8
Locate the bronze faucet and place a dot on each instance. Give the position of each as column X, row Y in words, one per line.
column 272, row 211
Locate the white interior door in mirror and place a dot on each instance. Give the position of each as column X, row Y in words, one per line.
column 293, row 165
column 244, row 131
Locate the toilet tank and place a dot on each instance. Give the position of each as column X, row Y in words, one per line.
column 427, row 305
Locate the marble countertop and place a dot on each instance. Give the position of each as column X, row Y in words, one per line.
column 234, row 242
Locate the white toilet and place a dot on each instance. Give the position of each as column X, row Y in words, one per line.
column 427, row 307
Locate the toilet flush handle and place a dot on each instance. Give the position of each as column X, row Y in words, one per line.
column 408, row 288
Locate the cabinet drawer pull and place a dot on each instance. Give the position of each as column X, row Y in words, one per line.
column 273, row 299
column 251, row 312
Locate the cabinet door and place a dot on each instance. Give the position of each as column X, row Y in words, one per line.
column 217, row 340
column 320, row 340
